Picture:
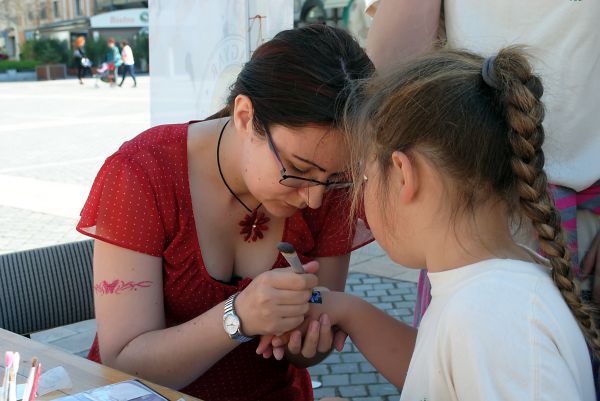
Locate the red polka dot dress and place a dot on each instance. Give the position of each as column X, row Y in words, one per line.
column 140, row 200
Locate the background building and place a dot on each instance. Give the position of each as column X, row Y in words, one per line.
column 64, row 20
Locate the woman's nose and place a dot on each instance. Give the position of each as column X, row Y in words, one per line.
column 313, row 196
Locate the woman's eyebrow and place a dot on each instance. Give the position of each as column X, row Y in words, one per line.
column 309, row 162
column 339, row 173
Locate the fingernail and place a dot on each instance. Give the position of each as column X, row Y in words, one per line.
column 324, row 319
column 278, row 353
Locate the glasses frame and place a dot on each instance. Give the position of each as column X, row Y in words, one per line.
column 309, row 181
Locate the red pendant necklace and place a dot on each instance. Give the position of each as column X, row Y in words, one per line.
column 254, row 223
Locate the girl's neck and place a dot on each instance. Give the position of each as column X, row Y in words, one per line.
column 471, row 238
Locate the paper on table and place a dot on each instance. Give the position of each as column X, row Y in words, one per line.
column 54, row 379
column 123, row 391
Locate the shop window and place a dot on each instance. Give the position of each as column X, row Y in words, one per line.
column 56, row 9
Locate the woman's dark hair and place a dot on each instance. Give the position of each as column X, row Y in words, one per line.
column 484, row 134
column 300, row 77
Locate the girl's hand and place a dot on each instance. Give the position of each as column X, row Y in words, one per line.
column 319, row 337
column 276, row 301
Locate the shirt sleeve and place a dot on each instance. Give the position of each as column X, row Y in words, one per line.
column 335, row 234
column 487, row 355
column 121, row 208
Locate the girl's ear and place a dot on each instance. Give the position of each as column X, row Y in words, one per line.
column 243, row 114
column 404, row 174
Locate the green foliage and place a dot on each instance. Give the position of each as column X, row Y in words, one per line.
column 95, row 50
column 23, row 65
column 141, row 49
column 48, row 51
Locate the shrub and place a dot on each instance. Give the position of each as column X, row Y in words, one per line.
column 141, row 49
column 96, row 50
column 23, row 65
column 49, row 51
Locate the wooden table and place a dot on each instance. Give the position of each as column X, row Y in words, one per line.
column 84, row 373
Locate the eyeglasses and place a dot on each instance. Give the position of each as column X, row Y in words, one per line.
column 293, row 181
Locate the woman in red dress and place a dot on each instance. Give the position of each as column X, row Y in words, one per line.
column 187, row 217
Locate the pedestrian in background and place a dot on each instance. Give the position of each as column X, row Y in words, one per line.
column 81, row 61
column 128, row 62
column 113, row 59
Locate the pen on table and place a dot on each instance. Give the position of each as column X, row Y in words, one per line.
column 12, row 378
column 8, row 361
column 30, row 379
column 36, row 381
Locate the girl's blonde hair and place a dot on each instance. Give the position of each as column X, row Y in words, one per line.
column 486, row 135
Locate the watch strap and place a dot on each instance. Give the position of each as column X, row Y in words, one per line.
column 230, row 309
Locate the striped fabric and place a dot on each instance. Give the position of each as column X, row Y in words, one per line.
column 46, row 287
column 567, row 201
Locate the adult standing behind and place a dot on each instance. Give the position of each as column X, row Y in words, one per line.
column 81, row 61
column 563, row 38
column 128, row 62
column 187, row 218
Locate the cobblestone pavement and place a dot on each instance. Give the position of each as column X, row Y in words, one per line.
column 53, row 140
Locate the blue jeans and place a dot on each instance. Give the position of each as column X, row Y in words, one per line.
column 128, row 69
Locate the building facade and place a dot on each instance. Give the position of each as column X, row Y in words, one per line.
column 22, row 20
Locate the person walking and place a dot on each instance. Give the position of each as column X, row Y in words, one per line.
column 128, row 63
column 81, row 61
column 113, row 59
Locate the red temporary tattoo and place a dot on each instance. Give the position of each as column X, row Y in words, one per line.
column 119, row 286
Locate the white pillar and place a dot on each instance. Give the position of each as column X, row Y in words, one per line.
column 198, row 48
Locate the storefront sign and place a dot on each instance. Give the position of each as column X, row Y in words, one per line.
column 131, row 18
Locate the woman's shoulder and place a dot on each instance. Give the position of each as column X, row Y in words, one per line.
column 159, row 155
column 157, row 141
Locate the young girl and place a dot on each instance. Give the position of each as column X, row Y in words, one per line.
column 449, row 148
column 187, row 218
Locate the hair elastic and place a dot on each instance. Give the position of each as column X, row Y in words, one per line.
column 488, row 74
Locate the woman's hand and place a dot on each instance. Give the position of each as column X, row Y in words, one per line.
column 316, row 336
column 276, row 301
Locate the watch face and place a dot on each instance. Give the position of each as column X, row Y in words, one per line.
column 231, row 324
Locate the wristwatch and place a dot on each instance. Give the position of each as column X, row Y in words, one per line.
column 231, row 321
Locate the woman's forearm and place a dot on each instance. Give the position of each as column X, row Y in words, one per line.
column 176, row 356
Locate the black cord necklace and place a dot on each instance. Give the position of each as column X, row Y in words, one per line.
column 255, row 222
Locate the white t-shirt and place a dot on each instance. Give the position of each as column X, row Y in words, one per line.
column 564, row 38
column 498, row 330
column 127, row 55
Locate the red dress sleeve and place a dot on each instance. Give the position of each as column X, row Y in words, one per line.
column 121, row 208
column 335, row 234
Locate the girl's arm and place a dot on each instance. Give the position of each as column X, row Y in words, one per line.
column 319, row 336
column 132, row 332
column 385, row 341
column 402, row 29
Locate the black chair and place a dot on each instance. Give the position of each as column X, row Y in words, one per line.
column 47, row 287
